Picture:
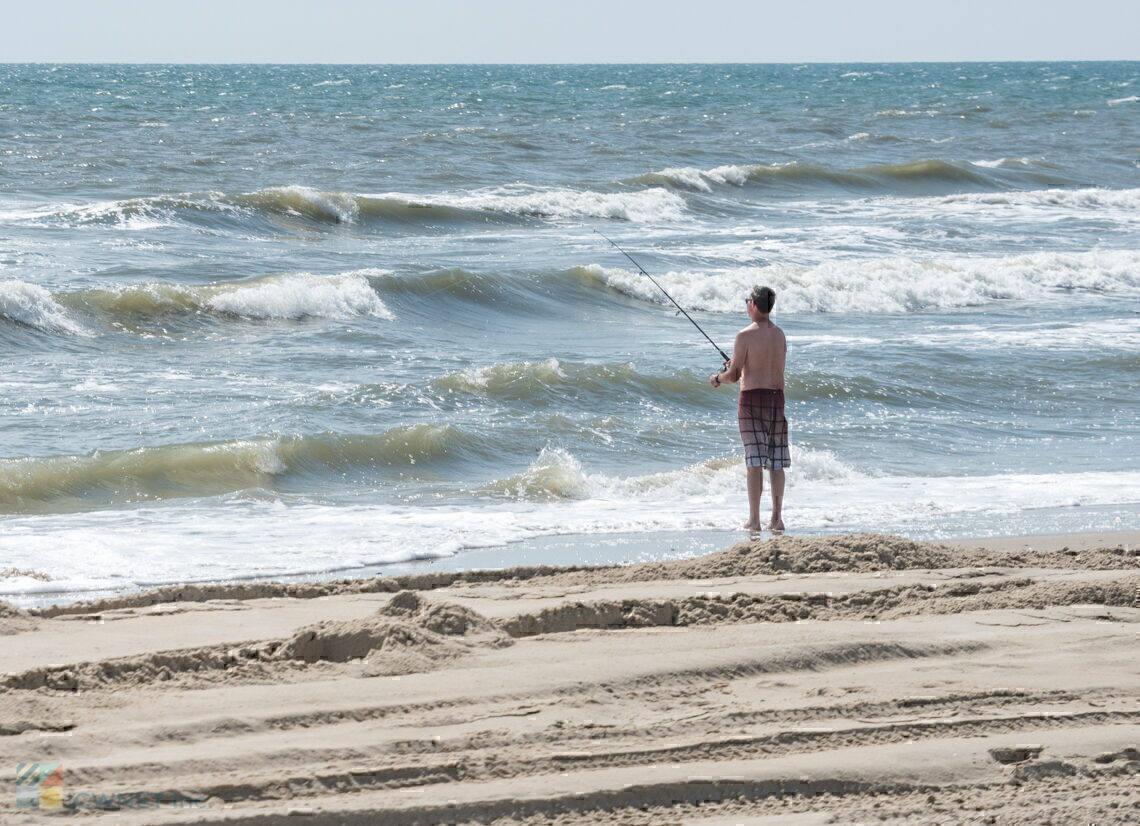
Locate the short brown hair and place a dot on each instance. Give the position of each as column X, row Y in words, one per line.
column 764, row 298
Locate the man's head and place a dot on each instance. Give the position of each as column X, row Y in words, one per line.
column 763, row 298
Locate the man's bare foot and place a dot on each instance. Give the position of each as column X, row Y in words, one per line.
column 751, row 527
column 776, row 527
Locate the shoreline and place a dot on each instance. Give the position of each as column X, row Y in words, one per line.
column 818, row 679
column 573, row 550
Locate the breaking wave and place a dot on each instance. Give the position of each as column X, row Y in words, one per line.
column 556, row 382
column 894, row 285
column 642, row 206
column 53, row 483
column 33, row 306
column 1127, row 200
column 556, row 475
column 130, row 213
column 802, row 174
column 292, row 296
column 250, row 212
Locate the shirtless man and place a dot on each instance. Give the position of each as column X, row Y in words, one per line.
column 758, row 358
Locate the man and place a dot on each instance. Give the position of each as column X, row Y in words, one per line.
column 758, row 358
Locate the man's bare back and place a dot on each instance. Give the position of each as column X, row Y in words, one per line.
column 758, row 357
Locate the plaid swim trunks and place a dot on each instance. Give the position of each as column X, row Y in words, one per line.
column 763, row 429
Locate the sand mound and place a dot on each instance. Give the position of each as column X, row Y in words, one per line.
column 851, row 553
column 210, row 663
column 799, row 555
column 408, row 634
column 8, row 610
column 885, row 603
column 846, row 553
column 1018, row 593
column 1115, row 557
column 860, row 553
column 578, row 615
column 14, row 620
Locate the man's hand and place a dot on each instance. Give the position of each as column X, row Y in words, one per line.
column 714, row 380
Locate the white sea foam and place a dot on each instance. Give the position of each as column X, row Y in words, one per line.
column 557, row 474
column 904, row 113
column 703, row 180
column 34, row 306
column 1004, row 163
column 1103, row 336
column 1107, row 335
column 131, row 214
column 1125, row 200
column 892, row 285
column 648, row 205
column 90, row 384
column 644, row 206
column 481, row 378
column 298, row 295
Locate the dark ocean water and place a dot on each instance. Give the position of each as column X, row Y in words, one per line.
column 272, row 320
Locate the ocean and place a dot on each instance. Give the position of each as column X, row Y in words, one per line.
column 317, row 321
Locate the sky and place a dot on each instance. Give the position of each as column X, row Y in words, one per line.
column 566, row 31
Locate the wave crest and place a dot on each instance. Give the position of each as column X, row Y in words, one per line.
column 556, row 475
column 642, row 206
column 1126, row 200
column 242, row 212
column 557, row 381
column 798, row 174
column 53, row 483
column 299, row 295
column 291, row 296
column 33, row 306
column 500, row 378
column 894, row 285
column 315, row 204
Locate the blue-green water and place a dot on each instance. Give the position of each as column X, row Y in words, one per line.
column 271, row 320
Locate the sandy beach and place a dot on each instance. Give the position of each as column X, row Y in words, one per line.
column 848, row 679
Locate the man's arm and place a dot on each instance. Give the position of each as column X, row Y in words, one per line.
column 731, row 373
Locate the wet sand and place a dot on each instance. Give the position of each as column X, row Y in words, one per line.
column 847, row 679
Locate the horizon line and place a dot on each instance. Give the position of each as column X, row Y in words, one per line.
column 561, row 63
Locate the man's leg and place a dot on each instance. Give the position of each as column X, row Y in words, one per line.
column 777, row 523
column 755, row 489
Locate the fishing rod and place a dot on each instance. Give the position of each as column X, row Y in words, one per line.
column 675, row 304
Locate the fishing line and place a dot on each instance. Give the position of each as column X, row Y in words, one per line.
column 675, row 304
